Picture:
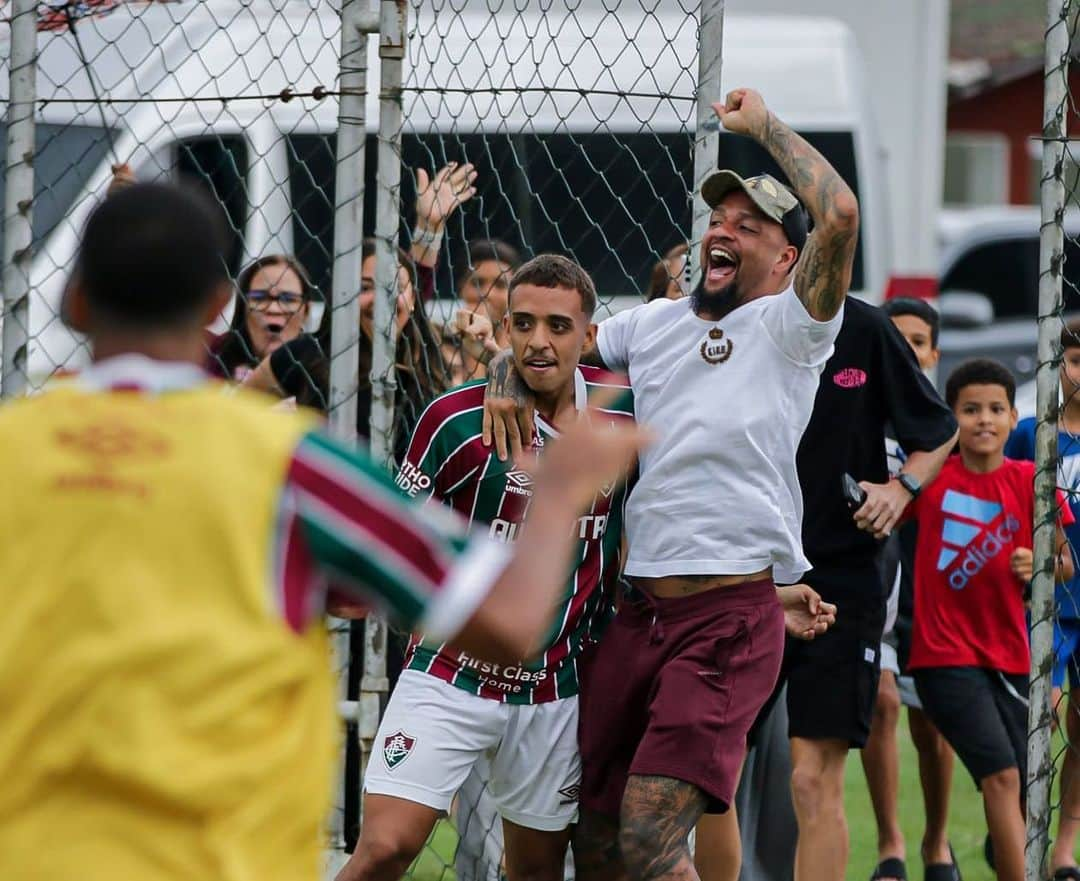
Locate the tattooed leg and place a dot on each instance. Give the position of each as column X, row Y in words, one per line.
column 596, row 849
column 657, row 816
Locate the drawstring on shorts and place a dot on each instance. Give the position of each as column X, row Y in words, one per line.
column 656, row 629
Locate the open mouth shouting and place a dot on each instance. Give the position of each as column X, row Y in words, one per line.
column 274, row 330
column 722, row 265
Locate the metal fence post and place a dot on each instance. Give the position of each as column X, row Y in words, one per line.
column 348, row 221
column 387, row 226
column 356, row 23
column 707, row 130
column 392, row 14
column 19, row 196
column 1040, row 713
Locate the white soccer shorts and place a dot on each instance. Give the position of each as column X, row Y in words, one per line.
column 433, row 734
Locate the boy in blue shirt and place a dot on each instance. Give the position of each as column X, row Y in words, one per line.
column 1021, row 445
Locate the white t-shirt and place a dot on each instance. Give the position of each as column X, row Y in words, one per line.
column 729, row 401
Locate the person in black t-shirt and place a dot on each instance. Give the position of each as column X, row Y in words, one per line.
column 918, row 322
column 871, row 381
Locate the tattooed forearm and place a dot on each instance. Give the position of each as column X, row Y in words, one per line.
column 657, row 816
column 504, row 382
column 823, row 274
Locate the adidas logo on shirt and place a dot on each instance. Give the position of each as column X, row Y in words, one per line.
column 970, row 535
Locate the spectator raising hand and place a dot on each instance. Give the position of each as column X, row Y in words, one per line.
column 477, row 334
column 436, row 199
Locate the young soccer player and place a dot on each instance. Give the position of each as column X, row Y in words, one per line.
column 168, row 708
column 1021, row 445
column 451, row 710
column 969, row 653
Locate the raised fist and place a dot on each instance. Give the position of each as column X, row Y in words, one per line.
column 743, row 113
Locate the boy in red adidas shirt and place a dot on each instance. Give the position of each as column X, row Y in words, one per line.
column 969, row 651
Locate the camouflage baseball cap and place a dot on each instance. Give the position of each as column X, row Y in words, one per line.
column 775, row 200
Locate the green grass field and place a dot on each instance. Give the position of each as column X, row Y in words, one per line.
column 436, row 861
column 967, row 828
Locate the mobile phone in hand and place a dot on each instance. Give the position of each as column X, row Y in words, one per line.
column 854, row 495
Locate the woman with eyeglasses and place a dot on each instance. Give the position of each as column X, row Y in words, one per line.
column 300, row 368
column 272, row 304
column 273, row 301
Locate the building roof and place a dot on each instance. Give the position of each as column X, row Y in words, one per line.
column 999, row 31
column 992, row 42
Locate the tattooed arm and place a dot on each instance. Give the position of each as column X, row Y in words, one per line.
column 509, row 405
column 823, row 273
column 508, row 408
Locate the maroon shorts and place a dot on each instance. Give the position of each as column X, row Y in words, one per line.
column 674, row 688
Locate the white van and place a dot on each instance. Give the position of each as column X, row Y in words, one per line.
column 565, row 163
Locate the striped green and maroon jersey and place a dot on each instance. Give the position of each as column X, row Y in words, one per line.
column 344, row 534
column 448, row 462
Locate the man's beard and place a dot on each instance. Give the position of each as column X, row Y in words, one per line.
column 719, row 303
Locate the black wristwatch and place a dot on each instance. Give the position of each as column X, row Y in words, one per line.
column 910, row 483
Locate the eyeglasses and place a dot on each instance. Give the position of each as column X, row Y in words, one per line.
column 288, row 301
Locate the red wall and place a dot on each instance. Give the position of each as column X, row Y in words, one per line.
column 1015, row 111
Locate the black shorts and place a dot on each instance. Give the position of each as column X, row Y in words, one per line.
column 981, row 713
column 832, row 680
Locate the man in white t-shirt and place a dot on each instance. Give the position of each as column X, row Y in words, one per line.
column 727, row 379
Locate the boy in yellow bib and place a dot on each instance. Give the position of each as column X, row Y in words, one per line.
column 165, row 558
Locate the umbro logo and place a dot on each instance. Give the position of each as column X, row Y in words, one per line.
column 519, row 483
column 969, row 534
column 570, row 794
column 521, row 478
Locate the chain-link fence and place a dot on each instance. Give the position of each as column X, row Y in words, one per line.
column 231, row 97
column 566, row 127
column 1053, row 793
column 383, row 166
column 461, row 137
